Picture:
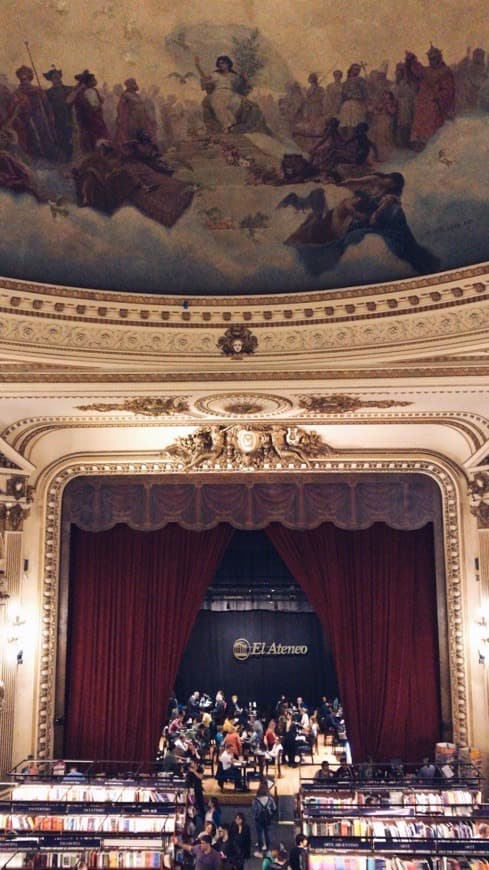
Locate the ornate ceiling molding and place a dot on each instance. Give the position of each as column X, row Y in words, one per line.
column 411, row 314
column 31, row 374
column 25, row 432
column 147, row 406
column 249, row 448
column 54, row 484
column 411, row 292
column 342, row 403
column 232, row 405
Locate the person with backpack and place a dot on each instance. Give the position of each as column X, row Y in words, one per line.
column 263, row 809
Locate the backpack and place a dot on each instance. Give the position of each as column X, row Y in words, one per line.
column 265, row 813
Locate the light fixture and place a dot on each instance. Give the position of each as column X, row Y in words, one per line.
column 15, row 627
column 483, row 634
column 15, row 635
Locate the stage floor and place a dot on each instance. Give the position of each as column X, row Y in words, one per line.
column 287, row 784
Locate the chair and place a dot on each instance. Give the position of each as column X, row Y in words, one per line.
column 223, row 776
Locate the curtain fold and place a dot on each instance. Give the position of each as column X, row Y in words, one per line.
column 134, row 598
column 374, row 592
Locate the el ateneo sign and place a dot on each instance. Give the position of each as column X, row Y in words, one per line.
column 244, row 650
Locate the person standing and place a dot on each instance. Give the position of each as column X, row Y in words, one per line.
column 62, row 112
column 289, row 739
column 88, row 103
column 195, row 776
column 298, row 853
column 31, row 116
column 263, row 808
column 354, row 95
column 213, row 812
column 435, row 100
column 206, row 858
column 228, row 849
column 240, row 834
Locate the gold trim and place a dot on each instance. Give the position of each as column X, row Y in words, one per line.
column 443, row 475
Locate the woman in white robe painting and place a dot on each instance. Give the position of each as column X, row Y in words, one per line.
column 225, row 107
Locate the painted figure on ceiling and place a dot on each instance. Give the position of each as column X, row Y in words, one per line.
column 88, row 103
column 61, row 111
column 32, row 118
column 226, row 107
column 435, row 100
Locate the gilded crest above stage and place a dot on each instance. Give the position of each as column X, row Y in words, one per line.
column 253, row 148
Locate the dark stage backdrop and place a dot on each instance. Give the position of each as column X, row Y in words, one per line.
column 208, row 663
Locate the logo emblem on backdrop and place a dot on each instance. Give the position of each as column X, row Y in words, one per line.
column 241, row 649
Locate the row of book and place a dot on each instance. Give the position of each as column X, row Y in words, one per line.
column 94, row 793
column 449, row 803
column 149, row 859
column 461, row 830
column 92, row 824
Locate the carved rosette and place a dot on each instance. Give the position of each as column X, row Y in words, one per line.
column 329, row 464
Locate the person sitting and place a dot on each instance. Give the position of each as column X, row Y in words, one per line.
column 427, row 771
column 344, row 772
column 74, row 775
column 226, row 107
column 30, row 768
column 176, row 724
column 228, row 771
column 232, row 741
column 324, row 774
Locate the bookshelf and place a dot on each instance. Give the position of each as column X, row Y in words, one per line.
column 356, row 825
column 106, row 824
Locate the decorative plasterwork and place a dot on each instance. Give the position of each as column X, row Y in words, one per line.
column 478, row 490
column 340, row 403
column 252, row 448
column 331, row 464
column 474, row 428
column 243, row 405
column 148, row 406
column 237, row 342
column 410, row 312
column 410, row 293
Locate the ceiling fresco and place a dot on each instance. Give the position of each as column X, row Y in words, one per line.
column 245, row 148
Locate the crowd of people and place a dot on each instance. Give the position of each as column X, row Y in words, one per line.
column 358, row 117
column 235, row 731
column 229, row 846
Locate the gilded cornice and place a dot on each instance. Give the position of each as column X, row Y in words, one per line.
column 24, row 433
column 440, row 368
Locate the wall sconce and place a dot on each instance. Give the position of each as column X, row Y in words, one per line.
column 15, row 636
column 483, row 638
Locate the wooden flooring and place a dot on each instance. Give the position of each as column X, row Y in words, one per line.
column 288, row 784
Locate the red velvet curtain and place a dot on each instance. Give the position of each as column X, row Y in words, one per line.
column 134, row 597
column 374, row 592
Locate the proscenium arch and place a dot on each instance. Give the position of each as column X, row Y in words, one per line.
column 56, row 559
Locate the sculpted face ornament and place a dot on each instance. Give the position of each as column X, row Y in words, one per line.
column 237, row 342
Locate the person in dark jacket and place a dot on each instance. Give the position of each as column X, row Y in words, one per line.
column 240, row 834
